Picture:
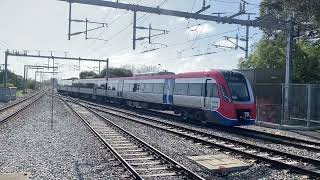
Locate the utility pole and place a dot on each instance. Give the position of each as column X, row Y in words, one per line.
column 107, row 74
column 107, row 70
column 99, row 68
column 69, row 29
column 134, row 29
column 289, row 65
column 5, row 69
column 247, row 40
column 53, row 79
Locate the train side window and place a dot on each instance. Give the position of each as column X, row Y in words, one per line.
column 195, row 89
column 126, row 87
column 109, row 86
column 136, row 87
column 131, row 87
column 142, row 87
column 181, row 89
column 158, row 88
column 148, row 87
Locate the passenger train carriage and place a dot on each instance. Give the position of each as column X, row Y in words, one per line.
column 218, row 96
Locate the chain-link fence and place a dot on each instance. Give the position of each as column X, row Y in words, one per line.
column 300, row 110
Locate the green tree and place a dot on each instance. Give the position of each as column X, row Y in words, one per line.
column 271, row 50
column 272, row 54
column 116, row 72
column 306, row 14
column 141, row 69
column 268, row 54
column 87, row 74
column 13, row 80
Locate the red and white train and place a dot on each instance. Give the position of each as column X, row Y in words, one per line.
column 218, row 96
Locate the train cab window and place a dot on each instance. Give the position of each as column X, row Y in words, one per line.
column 195, row 89
column 148, row 87
column 158, row 88
column 181, row 89
column 212, row 90
column 225, row 94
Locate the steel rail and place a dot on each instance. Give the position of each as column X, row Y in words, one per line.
column 236, row 130
column 20, row 110
column 274, row 138
column 175, row 164
column 113, row 151
column 185, row 132
column 18, row 102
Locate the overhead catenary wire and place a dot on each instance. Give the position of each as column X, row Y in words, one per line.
column 234, row 2
column 126, row 27
column 176, row 44
column 121, row 50
column 109, row 24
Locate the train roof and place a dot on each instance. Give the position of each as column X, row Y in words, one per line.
column 199, row 74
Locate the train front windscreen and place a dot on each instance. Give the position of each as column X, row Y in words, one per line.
column 237, row 85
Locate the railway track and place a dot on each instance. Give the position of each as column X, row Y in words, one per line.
column 5, row 116
column 269, row 137
column 296, row 163
column 17, row 102
column 141, row 159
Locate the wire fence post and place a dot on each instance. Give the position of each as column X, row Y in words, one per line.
column 52, row 95
column 283, row 104
column 309, row 105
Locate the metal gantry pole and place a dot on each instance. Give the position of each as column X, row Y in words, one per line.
column 5, row 69
column 107, row 74
column 69, row 30
column 35, row 80
column 107, row 70
column 247, row 39
column 309, row 99
column 288, row 77
column 99, row 68
column 134, row 29
column 52, row 94
column 24, row 79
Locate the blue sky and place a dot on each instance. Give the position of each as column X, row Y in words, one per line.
column 42, row 25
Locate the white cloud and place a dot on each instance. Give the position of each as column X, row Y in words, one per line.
column 201, row 29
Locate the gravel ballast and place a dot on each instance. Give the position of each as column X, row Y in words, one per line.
column 254, row 141
column 64, row 149
column 179, row 149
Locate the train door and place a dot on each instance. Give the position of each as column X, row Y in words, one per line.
column 168, row 91
column 120, row 88
column 95, row 85
column 210, row 100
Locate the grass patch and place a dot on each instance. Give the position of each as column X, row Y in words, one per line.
column 19, row 94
